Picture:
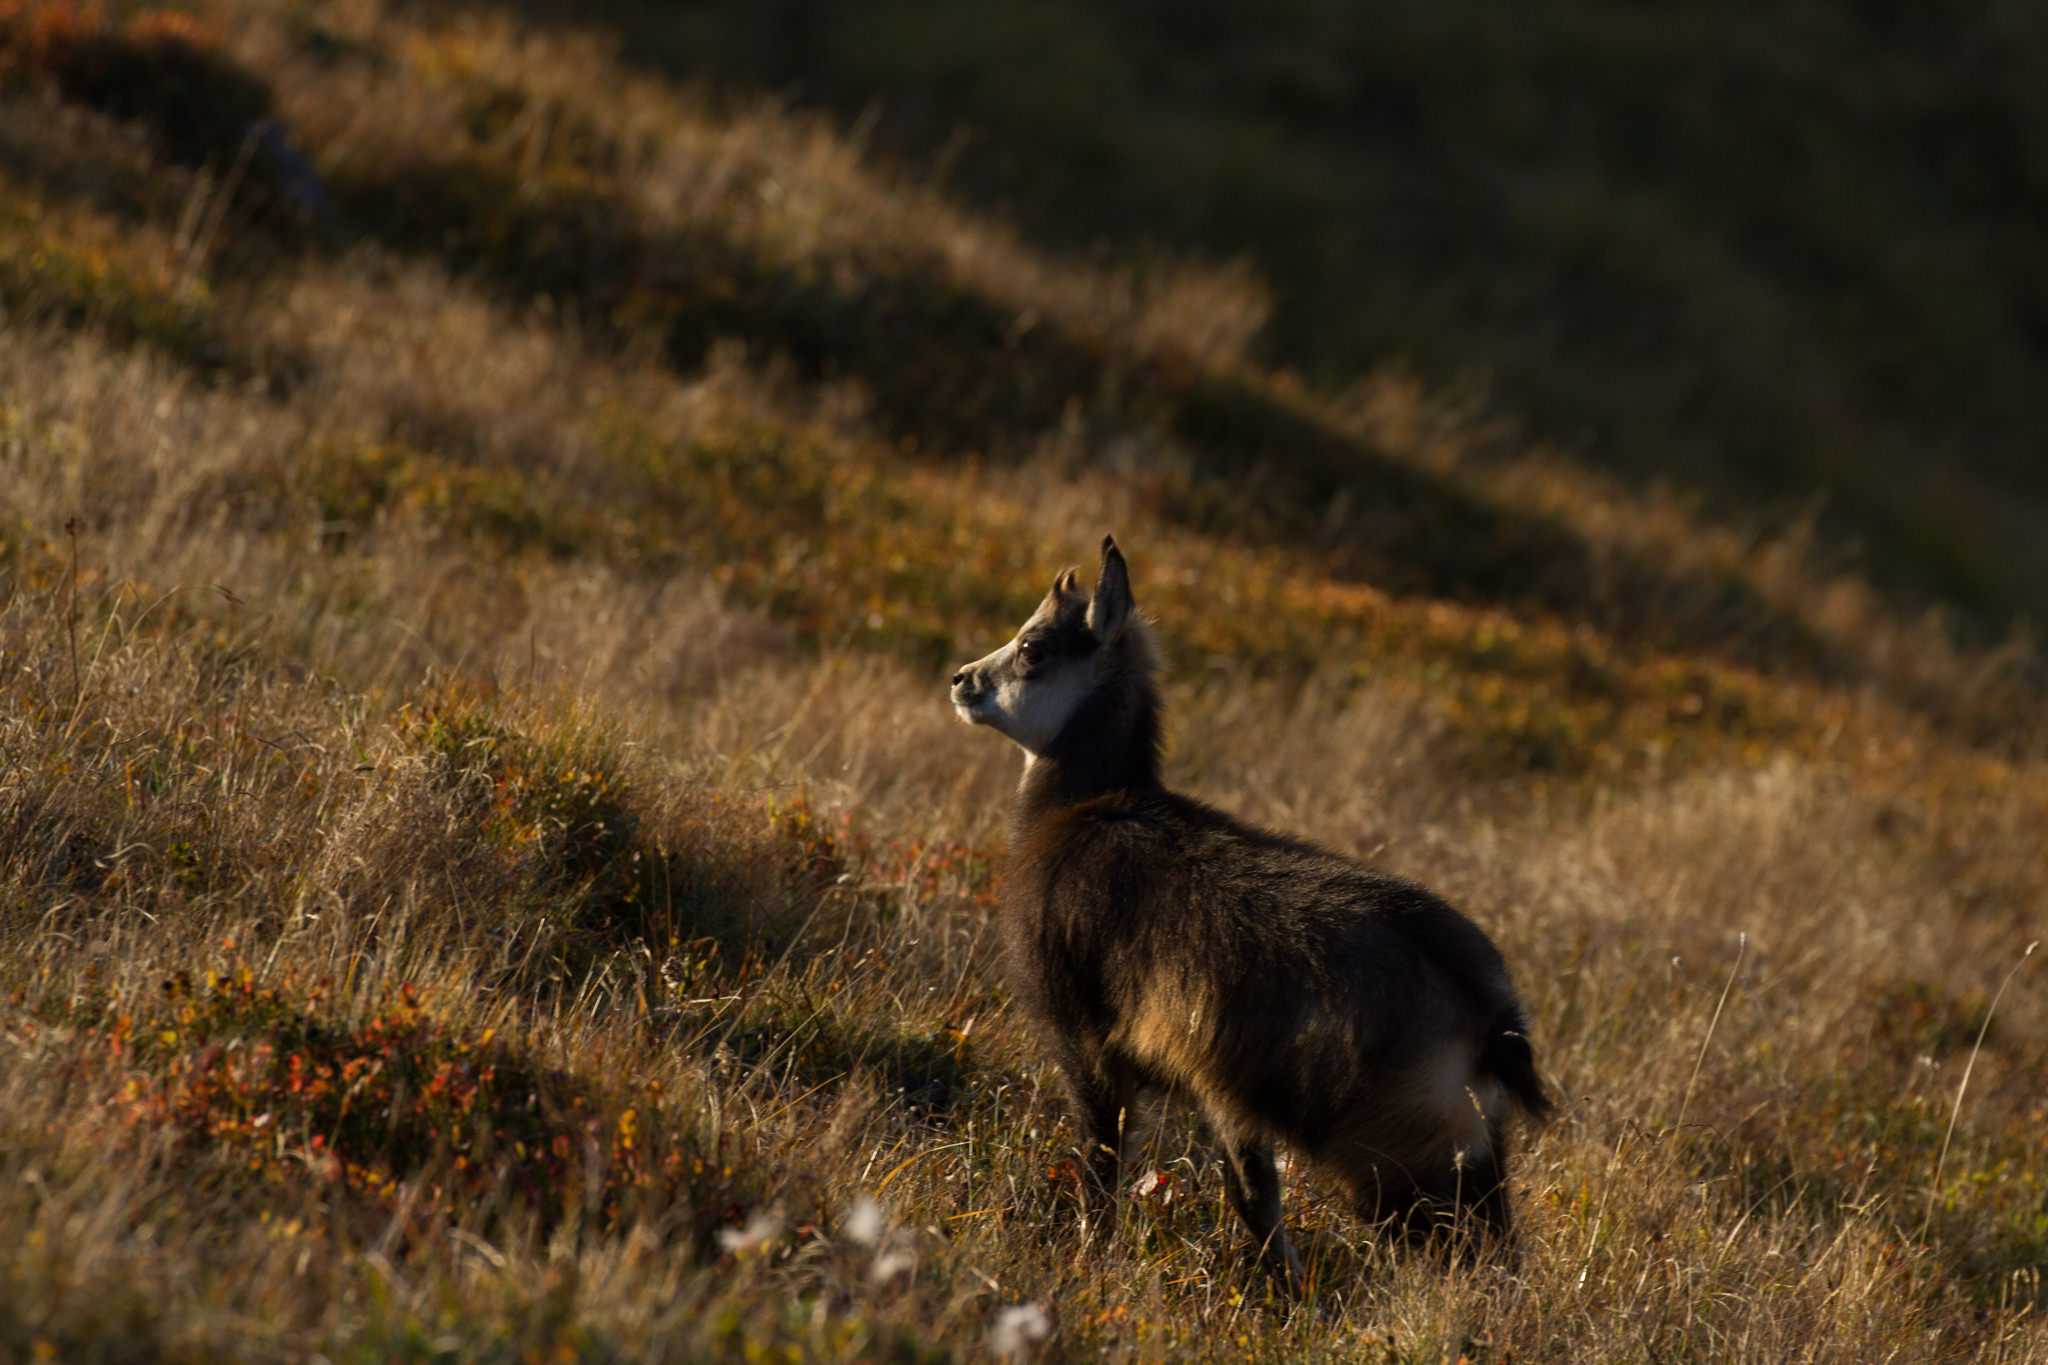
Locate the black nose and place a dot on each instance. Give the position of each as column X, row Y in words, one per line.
column 959, row 677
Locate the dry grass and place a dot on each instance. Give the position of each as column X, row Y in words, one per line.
column 487, row 872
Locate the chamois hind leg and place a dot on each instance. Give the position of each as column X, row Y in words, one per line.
column 1254, row 1189
column 1463, row 1209
column 1488, row 1216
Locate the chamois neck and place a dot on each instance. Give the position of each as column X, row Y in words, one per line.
column 1111, row 744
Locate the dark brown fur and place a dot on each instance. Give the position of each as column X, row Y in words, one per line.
column 1297, row 996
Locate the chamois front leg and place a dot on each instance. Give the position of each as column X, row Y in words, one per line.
column 1103, row 1093
column 1254, row 1189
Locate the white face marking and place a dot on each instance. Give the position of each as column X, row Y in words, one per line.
column 1030, row 710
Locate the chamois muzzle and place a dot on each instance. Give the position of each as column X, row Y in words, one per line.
column 969, row 690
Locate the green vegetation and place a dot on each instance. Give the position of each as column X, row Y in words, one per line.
column 487, row 871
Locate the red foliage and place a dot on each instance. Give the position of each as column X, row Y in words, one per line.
column 400, row 1109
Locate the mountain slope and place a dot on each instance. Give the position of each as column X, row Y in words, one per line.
column 1770, row 254
column 488, row 870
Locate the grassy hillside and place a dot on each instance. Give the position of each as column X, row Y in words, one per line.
column 1770, row 253
column 487, row 870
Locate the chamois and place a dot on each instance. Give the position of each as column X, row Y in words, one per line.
column 1295, row 995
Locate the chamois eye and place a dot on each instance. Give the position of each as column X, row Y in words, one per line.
column 1030, row 651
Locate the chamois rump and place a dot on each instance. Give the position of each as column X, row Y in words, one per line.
column 1295, row 995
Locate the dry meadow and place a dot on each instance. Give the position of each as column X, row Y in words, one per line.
column 487, row 870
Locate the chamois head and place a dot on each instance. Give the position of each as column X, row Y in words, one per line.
column 1069, row 649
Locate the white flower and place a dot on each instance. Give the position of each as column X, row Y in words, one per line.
column 865, row 1222
column 1018, row 1328
column 761, row 1227
column 893, row 1260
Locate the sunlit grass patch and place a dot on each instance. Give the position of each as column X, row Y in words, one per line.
column 856, row 545
column 350, row 486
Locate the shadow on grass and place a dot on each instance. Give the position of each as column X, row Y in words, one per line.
column 949, row 372
column 1639, row 227
column 804, row 1045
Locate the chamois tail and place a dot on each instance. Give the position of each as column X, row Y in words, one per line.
column 1507, row 1058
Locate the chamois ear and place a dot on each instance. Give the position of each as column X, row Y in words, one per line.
column 1111, row 610
column 1068, row 581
